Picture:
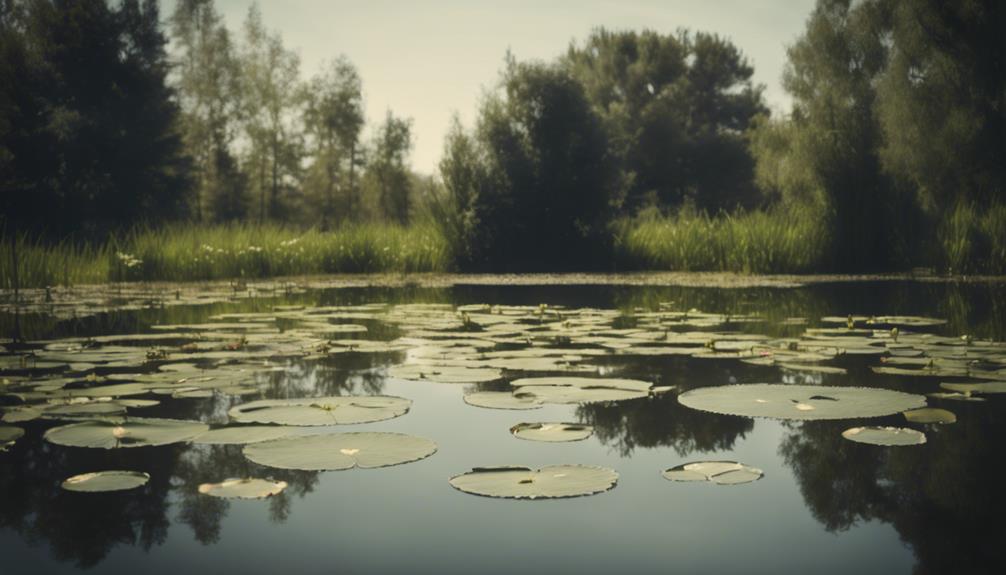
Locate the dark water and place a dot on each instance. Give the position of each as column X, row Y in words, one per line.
column 824, row 505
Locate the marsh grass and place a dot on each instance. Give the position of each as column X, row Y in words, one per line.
column 228, row 252
column 778, row 240
column 973, row 240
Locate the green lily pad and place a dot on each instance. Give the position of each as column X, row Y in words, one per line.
column 444, row 373
column 334, row 410
column 243, row 434
column 888, row 436
column 553, row 432
column 339, row 451
column 249, row 488
column 554, row 481
column 580, row 389
column 930, row 415
column 977, row 388
column 8, row 435
column 501, row 400
column 803, row 402
column 102, row 481
column 719, row 472
column 136, row 432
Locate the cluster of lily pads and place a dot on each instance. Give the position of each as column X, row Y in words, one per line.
column 541, row 354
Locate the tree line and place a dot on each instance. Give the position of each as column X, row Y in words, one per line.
column 894, row 142
column 106, row 125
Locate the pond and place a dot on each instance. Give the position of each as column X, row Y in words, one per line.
column 698, row 429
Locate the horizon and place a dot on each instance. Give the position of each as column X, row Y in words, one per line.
column 318, row 31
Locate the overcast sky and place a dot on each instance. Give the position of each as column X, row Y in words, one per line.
column 426, row 59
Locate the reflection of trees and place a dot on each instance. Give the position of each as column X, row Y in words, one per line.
column 215, row 463
column 944, row 498
column 85, row 527
column 662, row 421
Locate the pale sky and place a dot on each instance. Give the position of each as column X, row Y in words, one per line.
column 427, row 59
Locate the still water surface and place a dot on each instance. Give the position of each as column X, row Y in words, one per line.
column 824, row 505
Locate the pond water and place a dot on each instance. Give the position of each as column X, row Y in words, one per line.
column 822, row 504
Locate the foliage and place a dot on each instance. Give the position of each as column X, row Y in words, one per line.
column 87, row 123
column 533, row 182
column 676, row 108
column 387, row 172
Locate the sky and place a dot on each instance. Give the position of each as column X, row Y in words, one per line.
column 429, row 59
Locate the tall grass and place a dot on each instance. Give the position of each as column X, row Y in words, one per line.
column 238, row 251
column 778, row 240
column 973, row 240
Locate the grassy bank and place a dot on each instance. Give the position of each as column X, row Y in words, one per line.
column 770, row 241
column 190, row 252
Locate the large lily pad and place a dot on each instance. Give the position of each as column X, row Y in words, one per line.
column 334, row 410
column 501, row 400
column 8, row 435
column 930, row 415
column 553, row 432
column 978, row 388
column 719, row 472
column 803, row 402
column 135, row 432
column 102, row 481
column 243, row 434
column 888, row 436
column 339, row 451
column 580, row 389
column 249, row 488
column 554, row 481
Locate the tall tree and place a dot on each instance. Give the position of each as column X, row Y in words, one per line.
column 88, row 123
column 676, row 109
column 209, row 92
column 270, row 76
column 333, row 119
column 388, row 170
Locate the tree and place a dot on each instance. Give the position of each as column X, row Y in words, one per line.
column 88, row 123
column 269, row 84
column 208, row 86
column 676, row 109
column 534, row 181
column 333, row 119
column 387, row 171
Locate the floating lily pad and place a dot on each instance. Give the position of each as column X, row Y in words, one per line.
column 719, row 472
column 444, row 374
column 334, row 410
column 102, row 481
column 501, row 400
column 580, row 389
column 802, row 402
column 555, row 432
column 930, row 415
column 977, row 388
column 339, row 451
column 892, row 436
column 8, row 435
column 243, row 488
column 549, row 482
column 135, row 432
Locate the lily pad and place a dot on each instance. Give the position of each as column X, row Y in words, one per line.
column 888, row 436
column 719, row 472
column 580, row 389
column 554, row 481
column 339, row 451
column 135, row 432
column 803, row 402
column 501, row 400
column 242, row 435
column 554, row 432
column 243, row 488
column 930, row 415
column 102, row 481
column 978, row 388
column 334, row 410
column 444, row 374
column 8, row 435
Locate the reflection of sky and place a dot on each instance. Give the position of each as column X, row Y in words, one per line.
column 428, row 59
column 407, row 519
